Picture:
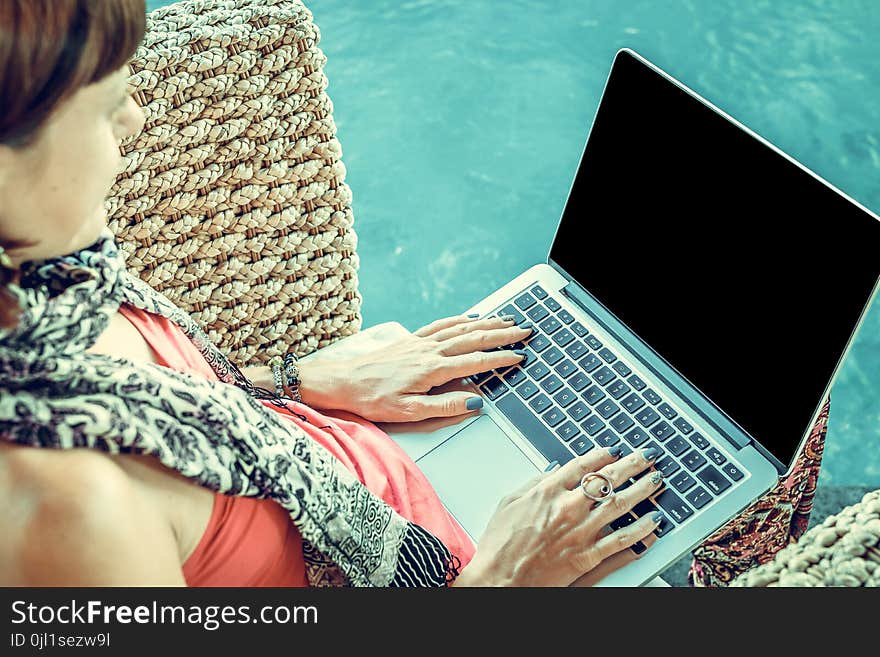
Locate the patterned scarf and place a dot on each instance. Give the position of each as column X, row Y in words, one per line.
column 54, row 394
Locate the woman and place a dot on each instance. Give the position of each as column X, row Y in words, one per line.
column 134, row 453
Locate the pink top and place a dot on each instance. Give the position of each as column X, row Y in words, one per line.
column 250, row 542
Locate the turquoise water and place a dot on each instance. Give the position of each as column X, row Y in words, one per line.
column 462, row 122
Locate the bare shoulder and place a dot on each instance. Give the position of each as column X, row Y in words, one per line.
column 74, row 517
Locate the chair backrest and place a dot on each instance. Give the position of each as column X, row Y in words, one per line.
column 232, row 201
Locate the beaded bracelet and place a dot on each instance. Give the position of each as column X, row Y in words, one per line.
column 287, row 380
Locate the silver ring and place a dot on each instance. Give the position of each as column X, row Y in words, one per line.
column 606, row 491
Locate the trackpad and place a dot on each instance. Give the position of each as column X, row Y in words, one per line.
column 473, row 470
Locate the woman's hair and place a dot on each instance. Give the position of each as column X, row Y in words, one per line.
column 49, row 49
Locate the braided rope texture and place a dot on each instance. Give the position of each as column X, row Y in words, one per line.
column 842, row 551
column 232, row 200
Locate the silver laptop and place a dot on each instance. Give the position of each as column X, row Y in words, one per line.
column 700, row 295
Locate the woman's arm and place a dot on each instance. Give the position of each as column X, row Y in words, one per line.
column 74, row 518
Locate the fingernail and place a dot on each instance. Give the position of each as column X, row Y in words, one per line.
column 615, row 450
column 551, row 465
column 520, row 352
column 656, row 477
column 473, row 315
column 474, row 403
column 657, row 517
column 507, row 318
column 526, row 326
column 651, row 453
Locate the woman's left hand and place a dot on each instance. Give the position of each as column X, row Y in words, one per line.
column 384, row 373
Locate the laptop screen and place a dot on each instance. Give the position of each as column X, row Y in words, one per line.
column 743, row 271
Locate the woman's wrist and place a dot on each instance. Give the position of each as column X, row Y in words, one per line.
column 316, row 387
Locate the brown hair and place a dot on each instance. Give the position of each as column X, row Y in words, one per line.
column 49, row 49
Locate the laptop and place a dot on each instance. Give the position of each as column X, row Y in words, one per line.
column 700, row 294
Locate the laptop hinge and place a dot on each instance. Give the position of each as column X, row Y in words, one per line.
column 577, row 294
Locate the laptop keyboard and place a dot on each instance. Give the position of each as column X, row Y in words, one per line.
column 571, row 394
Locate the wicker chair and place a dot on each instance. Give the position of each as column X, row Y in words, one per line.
column 232, row 201
column 233, row 204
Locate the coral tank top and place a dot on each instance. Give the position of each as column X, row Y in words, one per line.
column 253, row 542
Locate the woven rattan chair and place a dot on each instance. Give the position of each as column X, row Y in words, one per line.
column 232, row 201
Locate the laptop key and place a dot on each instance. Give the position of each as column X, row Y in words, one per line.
column 553, row 416
column 607, row 438
column 714, row 480
column 623, row 521
column 589, row 363
column 698, row 440
column 579, row 329
column 622, row 422
column 693, row 460
column 593, row 342
column 494, row 388
column 716, row 456
column 539, row 343
column 578, row 412
column 514, row 377
column 683, row 425
column 667, row 465
column 564, row 397
column 552, row 304
column 682, row 482
column 538, row 371
column 636, row 437
column 674, row 506
column 525, row 301
column 563, row 337
column 565, row 317
column 576, row 349
column 667, row 411
column 604, row 376
column 579, row 381
column 662, row 431
column 664, row 527
column 636, row 382
column 606, row 355
column 621, row 368
column 551, row 384
column 540, row 403
column 510, row 309
column 618, row 389
column 698, row 497
column 539, row 292
column 607, row 408
column 533, row 429
column 565, row 369
column 633, row 402
column 647, row 416
column 644, row 508
column 638, row 547
column 567, row 430
column 553, row 355
column 677, row 446
column 593, row 395
column 550, row 325
column 651, row 396
column 527, row 390
column 538, row 313
column 479, row 377
column 592, row 425
column 528, row 359
column 581, row 445
column 732, row 471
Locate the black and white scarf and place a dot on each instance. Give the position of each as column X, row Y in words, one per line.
column 54, row 394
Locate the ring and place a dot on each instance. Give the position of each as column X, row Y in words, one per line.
column 607, row 489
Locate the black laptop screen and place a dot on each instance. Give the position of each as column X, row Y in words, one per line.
column 743, row 271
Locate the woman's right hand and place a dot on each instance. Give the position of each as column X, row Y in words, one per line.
column 548, row 533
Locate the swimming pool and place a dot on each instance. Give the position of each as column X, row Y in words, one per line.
column 462, row 121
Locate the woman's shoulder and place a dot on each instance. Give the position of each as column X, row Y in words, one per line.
column 67, row 511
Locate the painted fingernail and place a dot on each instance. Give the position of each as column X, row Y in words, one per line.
column 615, row 450
column 520, row 352
column 473, row 315
column 651, row 453
column 508, row 318
column 551, row 465
column 656, row 477
column 527, row 326
column 474, row 403
column 657, row 517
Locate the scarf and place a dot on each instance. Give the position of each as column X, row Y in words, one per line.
column 53, row 394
